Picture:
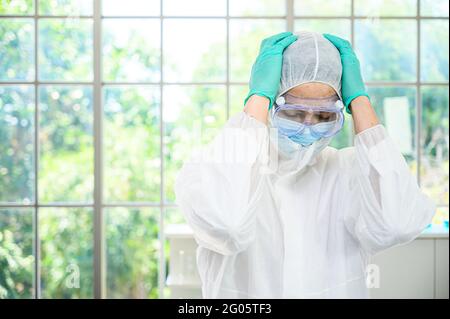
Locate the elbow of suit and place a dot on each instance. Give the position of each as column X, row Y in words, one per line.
column 226, row 242
column 405, row 223
column 378, row 242
column 393, row 235
column 419, row 215
column 240, row 239
column 401, row 235
column 375, row 241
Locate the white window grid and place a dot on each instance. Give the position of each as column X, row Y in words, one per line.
column 97, row 84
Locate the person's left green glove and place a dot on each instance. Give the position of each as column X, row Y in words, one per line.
column 352, row 81
column 266, row 71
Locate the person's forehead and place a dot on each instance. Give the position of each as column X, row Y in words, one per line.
column 312, row 90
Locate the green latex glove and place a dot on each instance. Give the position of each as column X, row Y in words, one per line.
column 352, row 82
column 266, row 71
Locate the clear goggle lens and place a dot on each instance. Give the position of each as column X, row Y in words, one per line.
column 318, row 130
column 321, row 121
column 302, row 116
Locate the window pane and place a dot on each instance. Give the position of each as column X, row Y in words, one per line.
column 132, row 147
column 16, row 253
column 132, row 8
column 132, row 253
column 195, row 8
column 339, row 27
column 65, row 49
column 245, row 39
column 386, row 54
column 180, row 257
column 66, row 155
column 17, row 144
column 16, row 50
column 434, row 142
column 204, row 60
column 173, row 215
column 434, row 50
column 322, row 8
column 66, row 7
column 192, row 116
column 16, row 7
column 435, row 8
column 396, row 109
column 440, row 219
column 66, row 252
column 257, row 8
column 385, row 8
column 238, row 93
column 131, row 50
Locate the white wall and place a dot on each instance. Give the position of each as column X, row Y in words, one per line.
column 416, row 270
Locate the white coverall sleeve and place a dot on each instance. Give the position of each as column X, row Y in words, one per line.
column 386, row 206
column 217, row 187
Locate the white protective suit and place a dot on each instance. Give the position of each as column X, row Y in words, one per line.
column 296, row 224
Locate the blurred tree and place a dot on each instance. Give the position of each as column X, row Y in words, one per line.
column 132, row 148
column 16, row 253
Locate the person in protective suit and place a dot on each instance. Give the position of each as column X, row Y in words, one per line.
column 276, row 212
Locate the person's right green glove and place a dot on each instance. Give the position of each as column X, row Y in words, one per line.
column 352, row 82
column 266, row 71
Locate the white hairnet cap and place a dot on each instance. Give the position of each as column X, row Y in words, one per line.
column 312, row 58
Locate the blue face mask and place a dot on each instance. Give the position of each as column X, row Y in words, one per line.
column 308, row 135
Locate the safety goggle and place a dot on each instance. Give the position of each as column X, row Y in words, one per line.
column 324, row 117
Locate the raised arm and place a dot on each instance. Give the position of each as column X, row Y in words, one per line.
column 354, row 94
column 266, row 74
column 385, row 206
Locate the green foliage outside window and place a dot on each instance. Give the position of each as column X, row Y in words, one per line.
column 191, row 114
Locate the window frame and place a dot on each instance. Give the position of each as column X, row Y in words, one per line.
column 98, row 205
